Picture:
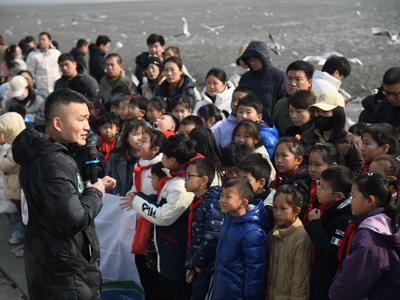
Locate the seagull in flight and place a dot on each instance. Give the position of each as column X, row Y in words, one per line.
column 276, row 48
column 185, row 31
column 394, row 37
column 213, row 29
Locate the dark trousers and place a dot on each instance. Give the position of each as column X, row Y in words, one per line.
column 148, row 278
column 200, row 286
column 172, row 290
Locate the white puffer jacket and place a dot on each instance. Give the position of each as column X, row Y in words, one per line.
column 44, row 68
column 222, row 101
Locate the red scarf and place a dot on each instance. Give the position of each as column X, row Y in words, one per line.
column 280, row 176
column 193, row 206
column 137, row 170
column 161, row 184
column 168, row 133
column 106, row 148
column 344, row 246
column 313, row 201
column 365, row 168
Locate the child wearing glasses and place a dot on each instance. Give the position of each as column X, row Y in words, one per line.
column 205, row 219
column 327, row 225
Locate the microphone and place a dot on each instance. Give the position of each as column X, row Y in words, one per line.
column 92, row 163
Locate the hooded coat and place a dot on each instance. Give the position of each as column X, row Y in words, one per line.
column 372, row 269
column 268, row 83
column 11, row 124
column 61, row 246
column 82, row 83
column 240, row 258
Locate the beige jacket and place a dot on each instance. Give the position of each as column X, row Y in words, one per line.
column 289, row 263
column 11, row 124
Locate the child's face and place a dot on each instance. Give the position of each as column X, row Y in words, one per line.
column 134, row 138
column 193, row 181
column 285, row 160
column 145, row 150
column 214, row 86
column 134, row 112
column 325, row 192
column 180, row 112
column 155, row 181
column 316, row 164
column 242, row 137
column 232, row 203
column 231, row 172
column 284, row 213
column 152, row 114
column 359, row 204
column 370, row 148
column 186, row 129
column 165, row 123
column 248, row 113
column 257, row 185
column 236, row 96
column 108, row 131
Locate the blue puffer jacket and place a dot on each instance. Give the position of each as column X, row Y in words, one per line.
column 206, row 225
column 269, row 136
column 240, row 260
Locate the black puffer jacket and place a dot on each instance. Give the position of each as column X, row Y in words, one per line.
column 268, row 83
column 96, row 62
column 61, row 246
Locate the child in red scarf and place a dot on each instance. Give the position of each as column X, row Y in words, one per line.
column 326, row 227
column 322, row 156
column 108, row 127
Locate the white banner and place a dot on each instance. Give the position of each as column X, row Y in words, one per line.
column 115, row 229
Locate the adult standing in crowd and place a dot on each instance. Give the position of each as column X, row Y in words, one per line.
column 43, row 64
column 74, row 76
column 80, row 52
column 97, row 53
column 61, row 246
column 266, row 81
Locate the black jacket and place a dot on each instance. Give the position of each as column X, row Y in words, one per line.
column 268, row 84
column 326, row 234
column 185, row 88
column 61, row 246
column 141, row 62
column 79, row 57
column 369, row 113
column 82, row 83
column 96, row 62
column 387, row 113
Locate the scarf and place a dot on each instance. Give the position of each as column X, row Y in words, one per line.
column 344, row 246
column 106, row 148
column 280, row 176
column 313, row 201
column 137, row 170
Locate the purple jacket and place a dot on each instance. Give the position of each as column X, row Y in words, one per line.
column 372, row 269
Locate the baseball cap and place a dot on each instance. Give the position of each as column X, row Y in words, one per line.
column 18, row 84
column 328, row 100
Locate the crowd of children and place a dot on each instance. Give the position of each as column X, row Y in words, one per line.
column 235, row 203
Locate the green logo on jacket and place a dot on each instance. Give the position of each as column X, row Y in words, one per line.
column 80, row 187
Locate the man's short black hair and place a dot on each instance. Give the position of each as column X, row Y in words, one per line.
column 114, row 55
column 155, row 38
column 392, row 76
column 204, row 168
column 108, row 118
column 81, row 42
column 256, row 165
column 102, row 40
column 46, row 34
column 58, row 98
column 242, row 185
column 179, row 146
column 251, row 101
column 337, row 63
column 301, row 65
column 66, row 56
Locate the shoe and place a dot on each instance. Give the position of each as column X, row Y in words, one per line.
column 13, row 240
column 15, row 249
column 19, row 252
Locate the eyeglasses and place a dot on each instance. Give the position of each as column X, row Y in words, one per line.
column 391, row 94
column 188, row 176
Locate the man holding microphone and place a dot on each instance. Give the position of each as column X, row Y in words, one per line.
column 61, row 246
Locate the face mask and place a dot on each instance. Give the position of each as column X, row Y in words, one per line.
column 23, row 96
column 324, row 123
